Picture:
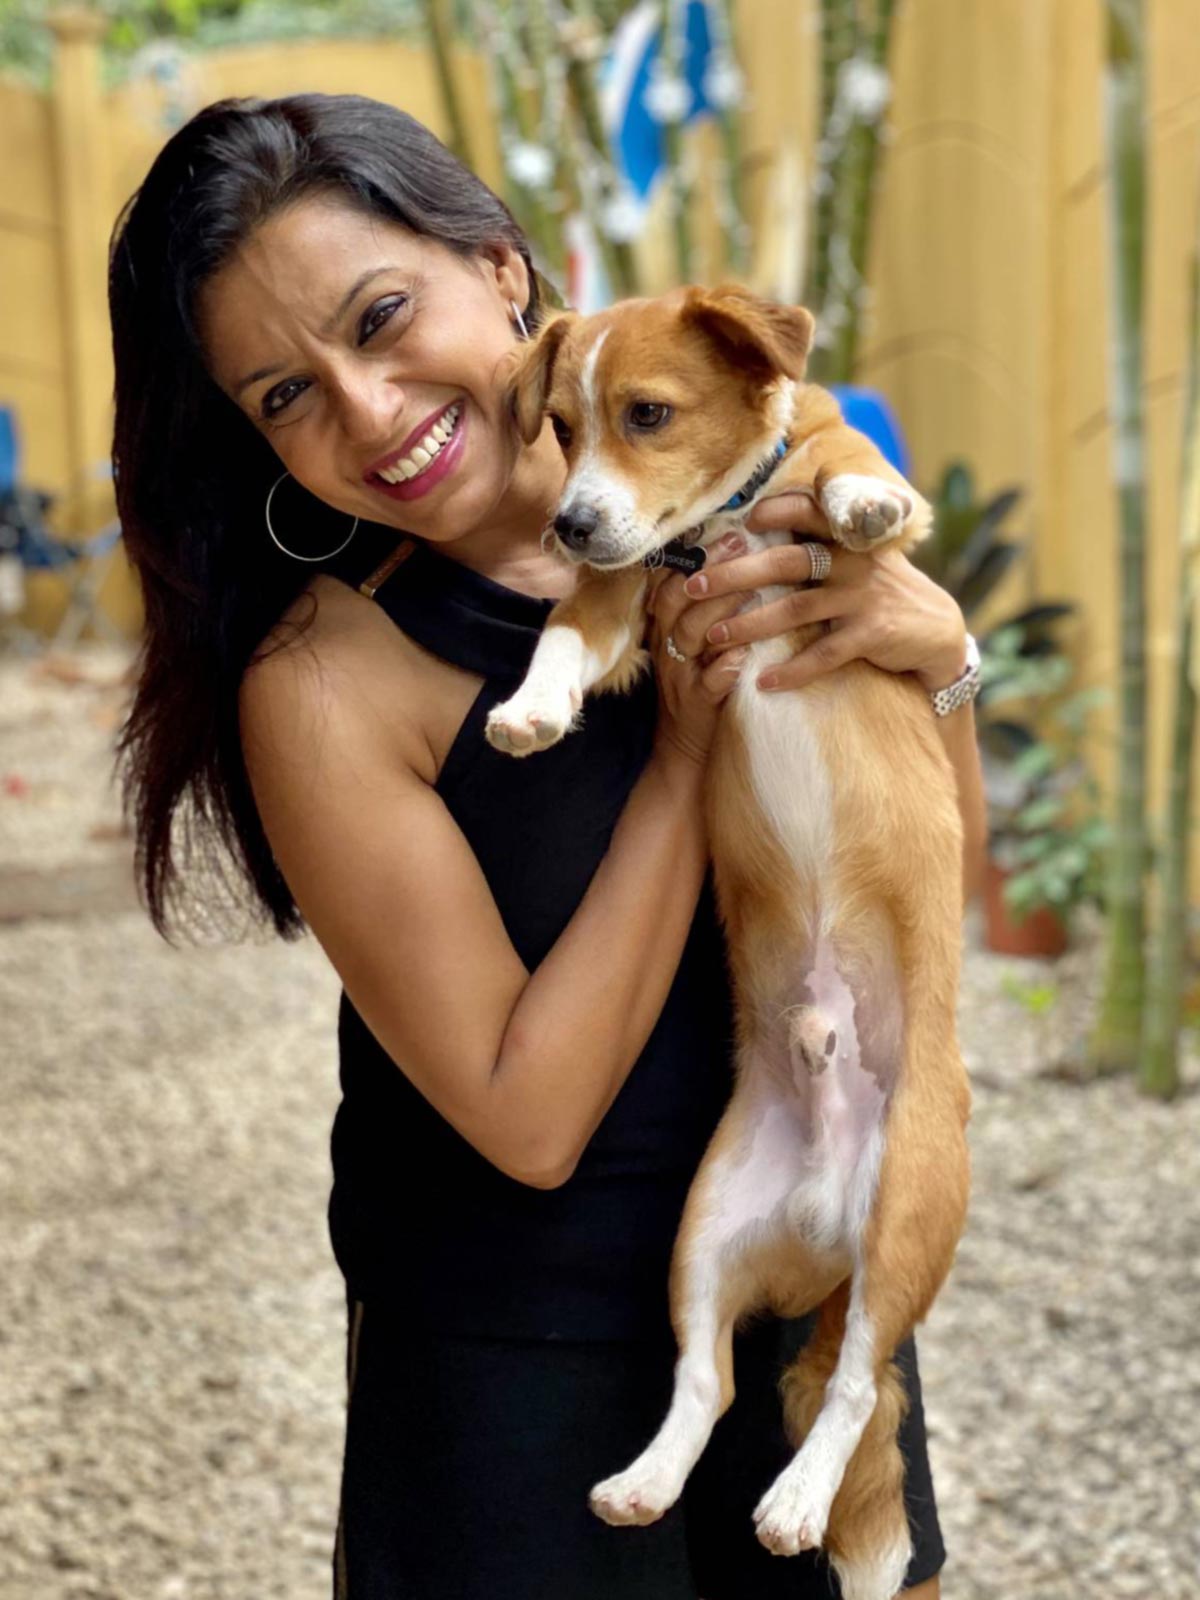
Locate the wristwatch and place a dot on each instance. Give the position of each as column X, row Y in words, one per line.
column 964, row 688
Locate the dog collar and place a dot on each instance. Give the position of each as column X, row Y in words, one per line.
column 756, row 480
column 684, row 557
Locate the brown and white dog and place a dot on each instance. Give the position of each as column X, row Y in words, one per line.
column 838, row 1175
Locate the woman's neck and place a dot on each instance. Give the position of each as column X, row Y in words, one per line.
column 509, row 550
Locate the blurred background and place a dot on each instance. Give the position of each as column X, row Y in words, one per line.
column 992, row 206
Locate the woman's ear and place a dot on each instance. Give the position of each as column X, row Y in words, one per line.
column 529, row 383
column 511, row 275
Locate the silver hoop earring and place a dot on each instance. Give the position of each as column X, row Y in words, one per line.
column 275, row 537
column 522, row 330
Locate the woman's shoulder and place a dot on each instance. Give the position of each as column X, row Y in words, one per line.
column 335, row 658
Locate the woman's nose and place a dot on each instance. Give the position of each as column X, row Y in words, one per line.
column 369, row 406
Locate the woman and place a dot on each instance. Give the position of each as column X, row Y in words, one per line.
column 313, row 305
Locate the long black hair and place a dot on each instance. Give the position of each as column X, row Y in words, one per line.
column 192, row 472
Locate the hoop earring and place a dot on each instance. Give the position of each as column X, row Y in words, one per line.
column 275, row 538
column 522, row 330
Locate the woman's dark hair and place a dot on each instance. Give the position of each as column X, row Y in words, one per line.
column 192, row 472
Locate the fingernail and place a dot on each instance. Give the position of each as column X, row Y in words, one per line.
column 718, row 633
column 733, row 659
column 769, row 680
column 696, row 585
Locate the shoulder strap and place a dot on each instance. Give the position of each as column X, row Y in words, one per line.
column 386, row 567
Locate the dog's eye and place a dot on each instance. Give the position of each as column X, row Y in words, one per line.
column 648, row 414
column 561, row 432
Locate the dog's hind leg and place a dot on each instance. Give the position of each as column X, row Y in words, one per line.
column 731, row 1233
column 867, row 1537
column 903, row 1257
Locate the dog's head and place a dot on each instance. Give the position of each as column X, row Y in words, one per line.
column 663, row 408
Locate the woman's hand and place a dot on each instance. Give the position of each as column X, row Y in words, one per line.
column 690, row 692
column 881, row 608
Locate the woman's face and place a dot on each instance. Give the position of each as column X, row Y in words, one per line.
column 371, row 358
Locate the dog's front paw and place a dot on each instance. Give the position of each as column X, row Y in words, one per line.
column 865, row 512
column 634, row 1498
column 530, row 722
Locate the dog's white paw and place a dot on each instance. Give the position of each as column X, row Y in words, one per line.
column 864, row 512
column 792, row 1515
column 635, row 1497
column 530, row 722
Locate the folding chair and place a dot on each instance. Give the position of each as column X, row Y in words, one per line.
column 83, row 564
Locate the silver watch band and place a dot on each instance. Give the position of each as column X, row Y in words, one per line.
column 964, row 688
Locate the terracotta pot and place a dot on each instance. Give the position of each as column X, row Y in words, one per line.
column 1042, row 933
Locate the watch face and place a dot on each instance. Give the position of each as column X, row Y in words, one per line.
column 972, row 652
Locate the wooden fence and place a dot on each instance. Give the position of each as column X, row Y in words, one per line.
column 989, row 265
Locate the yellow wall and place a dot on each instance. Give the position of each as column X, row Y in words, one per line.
column 989, row 268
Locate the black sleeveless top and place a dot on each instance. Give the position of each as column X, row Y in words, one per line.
column 418, row 1217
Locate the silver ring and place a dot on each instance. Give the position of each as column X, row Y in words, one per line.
column 820, row 560
column 673, row 650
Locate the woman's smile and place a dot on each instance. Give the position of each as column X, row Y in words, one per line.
column 427, row 457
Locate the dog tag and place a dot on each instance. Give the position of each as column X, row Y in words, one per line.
column 679, row 556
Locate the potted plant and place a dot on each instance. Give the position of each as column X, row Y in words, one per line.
column 1047, row 835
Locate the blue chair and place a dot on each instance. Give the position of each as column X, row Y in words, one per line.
column 870, row 413
column 83, row 563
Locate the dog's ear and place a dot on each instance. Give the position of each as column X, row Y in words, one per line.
column 529, row 383
column 752, row 332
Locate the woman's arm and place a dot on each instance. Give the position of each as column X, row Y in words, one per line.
column 523, row 1065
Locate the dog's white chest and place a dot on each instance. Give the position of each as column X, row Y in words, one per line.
column 788, row 766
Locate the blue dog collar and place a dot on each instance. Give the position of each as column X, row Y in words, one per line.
column 754, row 483
column 684, row 557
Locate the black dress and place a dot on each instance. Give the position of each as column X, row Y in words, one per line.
column 510, row 1346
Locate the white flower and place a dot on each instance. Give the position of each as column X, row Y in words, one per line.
column 530, row 165
column 621, row 217
column 723, row 82
column 864, row 89
column 668, row 98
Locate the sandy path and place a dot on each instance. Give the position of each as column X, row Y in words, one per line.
column 171, row 1322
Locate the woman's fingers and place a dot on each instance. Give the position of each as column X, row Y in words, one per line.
column 796, row 511
column 780, row 616
column 782, row 564
column 823, row 655
column 693, row 625
column 720, row 674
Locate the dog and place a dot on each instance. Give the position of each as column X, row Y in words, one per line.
column 837, row 1179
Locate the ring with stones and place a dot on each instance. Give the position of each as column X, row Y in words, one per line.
column 673, row 650
column 819, row 559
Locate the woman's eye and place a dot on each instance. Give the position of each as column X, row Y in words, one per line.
column 282, row 395
column 561, row 431
column 648, row 414
column 377, row 315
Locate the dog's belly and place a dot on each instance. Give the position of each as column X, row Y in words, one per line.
column 818, row 991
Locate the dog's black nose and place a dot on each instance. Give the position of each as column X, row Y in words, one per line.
column 576, row 526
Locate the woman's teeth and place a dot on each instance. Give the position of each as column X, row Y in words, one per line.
column 427, row 451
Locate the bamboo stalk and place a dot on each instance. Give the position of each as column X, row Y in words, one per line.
column 619, row 262
column 851, row 220
column 438, row 23
column 728, row 120
column 527, row 204
column 1159, row 1066
column 670, row 56
column 1116, row 1039
column 838, row 37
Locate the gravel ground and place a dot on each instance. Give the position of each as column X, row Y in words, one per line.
column 170, row 1318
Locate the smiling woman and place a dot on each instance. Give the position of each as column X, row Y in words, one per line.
column 314, row 311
